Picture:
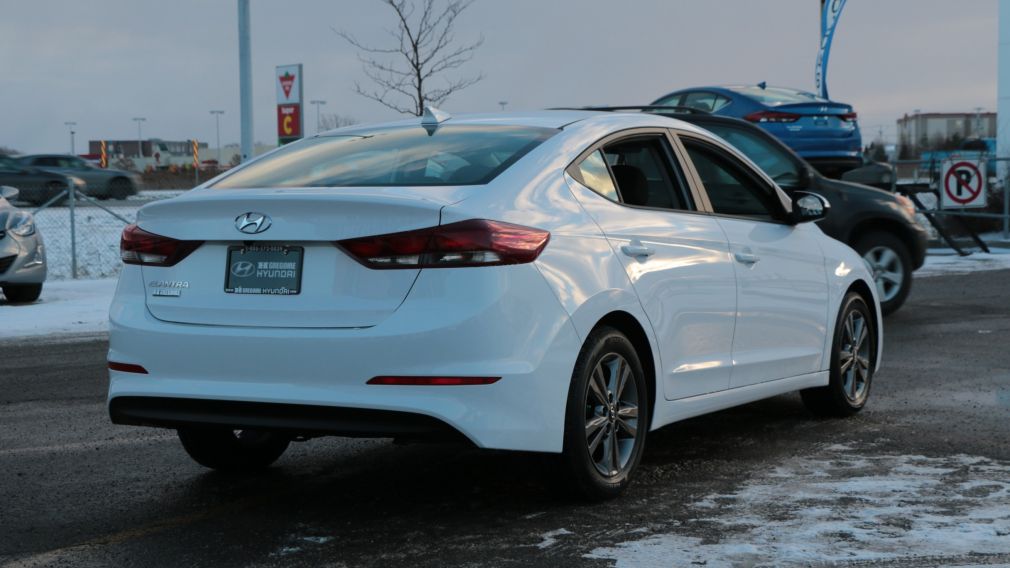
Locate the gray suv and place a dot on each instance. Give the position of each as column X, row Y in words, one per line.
column 103, row 183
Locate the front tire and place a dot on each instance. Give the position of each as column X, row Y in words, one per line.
column 891, row 265
column 607, row 416
column 120, row 189
column 233, row 450
column 22, row 293
column 853, row 359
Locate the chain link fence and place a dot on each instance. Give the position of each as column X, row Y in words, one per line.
column 82, row 233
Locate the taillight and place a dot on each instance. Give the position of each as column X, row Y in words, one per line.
column 127, row 368
column 848, row 117
column 476, row 242
column 772, row 116
column 140, row 247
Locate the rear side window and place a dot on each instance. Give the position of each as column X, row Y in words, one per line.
column 596, row 176
column 402, row 156
column 730, row 187
column 645, row 173
column 706, row 101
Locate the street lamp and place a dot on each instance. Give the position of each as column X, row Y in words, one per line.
column 140, row 145
column 503, row 103
column 318, row 103
column 217, row 123
column 71, row 126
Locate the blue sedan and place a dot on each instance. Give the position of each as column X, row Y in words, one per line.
column 825, row 133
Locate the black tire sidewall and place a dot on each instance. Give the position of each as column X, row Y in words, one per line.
column 884, row 239
column 576, row 458
column 22, row 293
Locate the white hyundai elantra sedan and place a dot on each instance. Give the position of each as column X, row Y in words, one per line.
column 560, row 282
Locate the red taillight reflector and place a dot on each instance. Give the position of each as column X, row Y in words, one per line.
column 476, row 242
column 127, row 368
column 137, row 246
column 772, row 116
column 433, row 381
column 848, row 117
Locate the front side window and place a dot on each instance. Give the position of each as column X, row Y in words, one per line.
column 775, row 161
column 399, row 156
column 730, row 187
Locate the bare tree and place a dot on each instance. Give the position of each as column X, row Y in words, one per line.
column 5, row 151
column 333, row 120
column 424, row 49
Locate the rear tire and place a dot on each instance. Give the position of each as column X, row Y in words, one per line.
column 607, row 416
column 853, row 358
column 891, row 265
column 233, row 450
column 22, row 293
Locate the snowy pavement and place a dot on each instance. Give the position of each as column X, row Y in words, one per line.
column 66, row 307
column 841, row 506
column 946, row 261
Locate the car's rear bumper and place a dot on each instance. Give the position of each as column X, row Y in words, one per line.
column 502, row 322
column 296, row 419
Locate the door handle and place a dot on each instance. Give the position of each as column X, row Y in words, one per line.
column 746, row 258
column 637, row 250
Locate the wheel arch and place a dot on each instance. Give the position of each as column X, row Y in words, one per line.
column 635, row 332
column 883, row 224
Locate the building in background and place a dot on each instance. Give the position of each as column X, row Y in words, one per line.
column 925, row 131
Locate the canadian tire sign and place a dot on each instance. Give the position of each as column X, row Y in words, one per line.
column 288, row 84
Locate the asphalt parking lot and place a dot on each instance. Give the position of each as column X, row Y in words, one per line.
column 921, row 477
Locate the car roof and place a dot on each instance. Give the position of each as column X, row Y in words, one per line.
column 538, row 119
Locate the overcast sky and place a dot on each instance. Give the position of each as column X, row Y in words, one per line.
column 101, row 63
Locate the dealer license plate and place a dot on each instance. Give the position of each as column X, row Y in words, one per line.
column 264, row 269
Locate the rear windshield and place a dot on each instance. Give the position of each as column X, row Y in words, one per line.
column 773, row 96
column 448, row 155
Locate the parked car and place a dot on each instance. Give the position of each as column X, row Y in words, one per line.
column 879, row 225
column 872, row 173
column 22, row 252
column 103, row 183
column 36, row 186
column 559, row 282
column 824, row 133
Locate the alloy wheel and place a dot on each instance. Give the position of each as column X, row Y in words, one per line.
column 854, row 357
column 888, row 273
column 611, row 403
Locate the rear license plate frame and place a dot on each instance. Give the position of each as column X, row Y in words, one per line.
column 280, row 254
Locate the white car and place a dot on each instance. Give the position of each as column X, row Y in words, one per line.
column 22, row 252
column 559, row 282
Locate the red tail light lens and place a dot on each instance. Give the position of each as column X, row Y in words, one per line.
column 140, row 247
column 848, row 117
column 127, row 368
column 432, row 381
column 772, row 116
column 476, row 242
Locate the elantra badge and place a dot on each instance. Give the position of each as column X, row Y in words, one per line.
column 252, row 223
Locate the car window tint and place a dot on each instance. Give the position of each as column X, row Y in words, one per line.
column 596, row 176
column 672, row 100
column 644, row 173
column 8, row 165
column 393, row 156
column 777, row 95
column 731, row 189
column 775, row 161
column 47, row 162
column 706, row 101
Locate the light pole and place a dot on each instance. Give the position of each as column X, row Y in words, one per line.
column 71, row 126
column 503, row 103
column 245, row 80
column 217, row 123
column 140, row 145
column 318, row 103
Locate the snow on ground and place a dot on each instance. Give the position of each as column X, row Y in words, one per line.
column 74, row 306
column 946, row 261
column 841, row 506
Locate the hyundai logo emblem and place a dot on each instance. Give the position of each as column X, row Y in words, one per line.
column 252, row 223
column 243, row 269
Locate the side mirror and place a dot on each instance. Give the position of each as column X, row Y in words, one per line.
column 809, row 207
column 9, row 193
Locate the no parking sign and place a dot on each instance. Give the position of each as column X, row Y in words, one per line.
column 962, row 184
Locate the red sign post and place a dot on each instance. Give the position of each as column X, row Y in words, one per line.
column 289, row 122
